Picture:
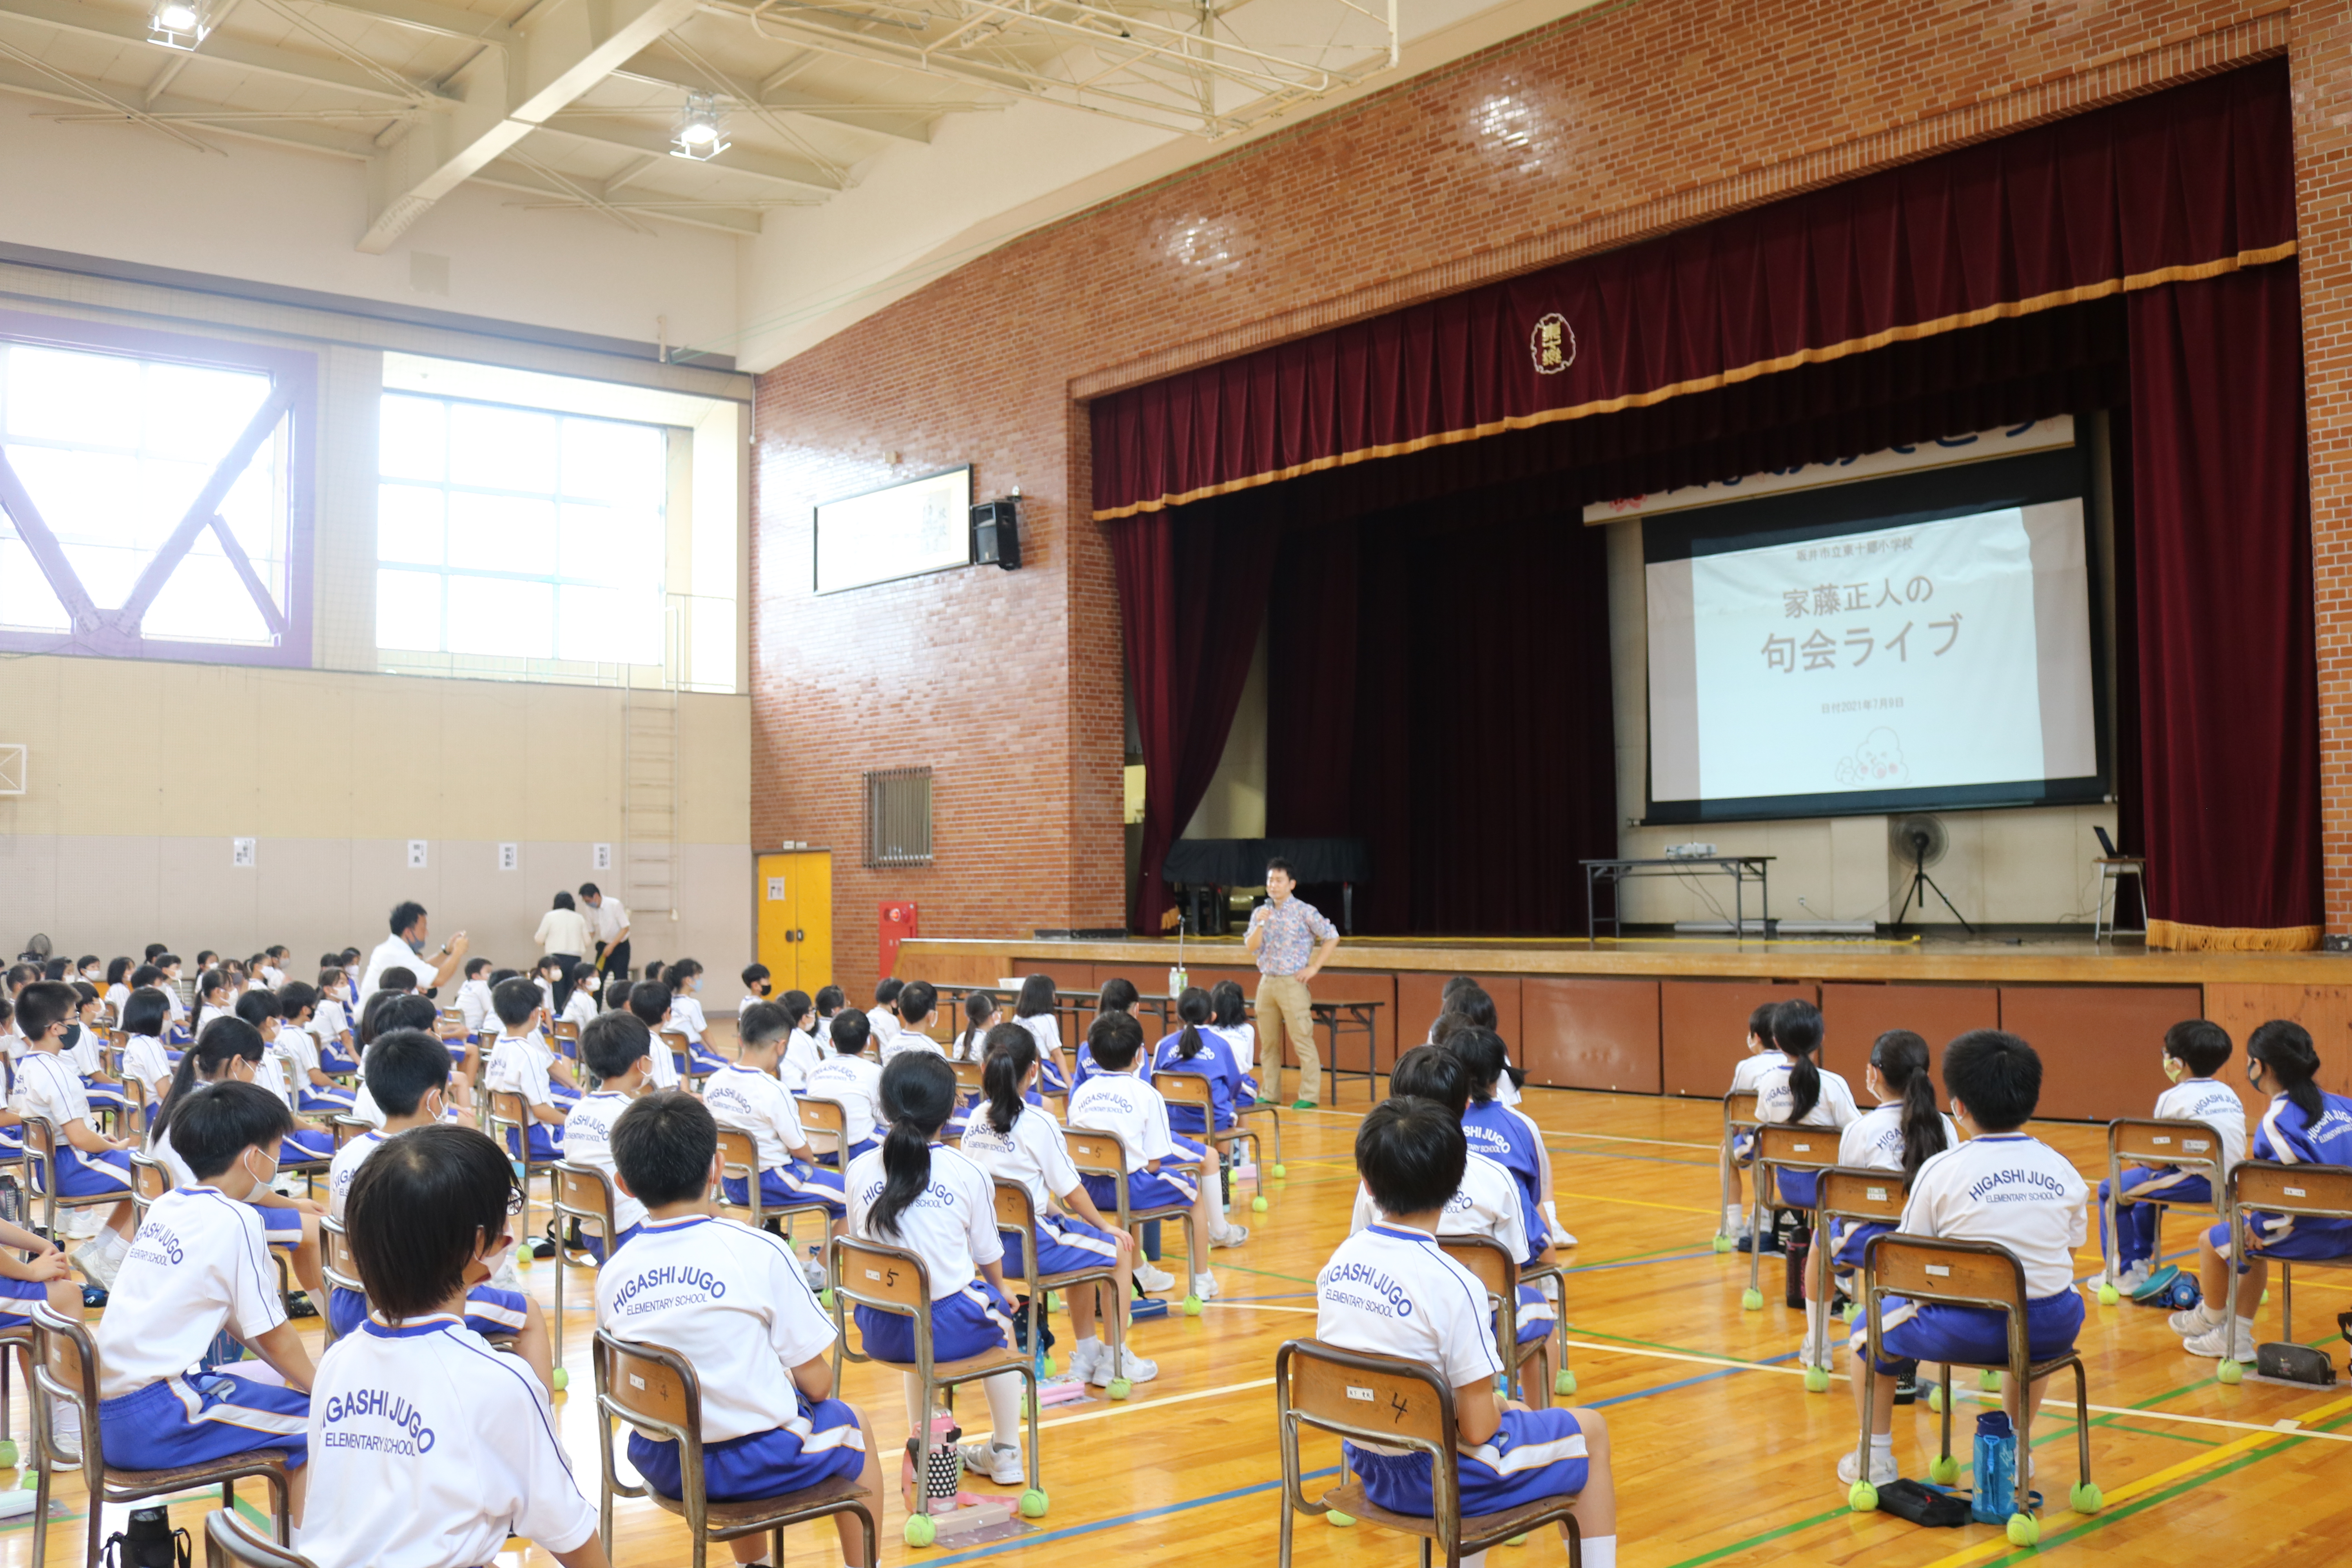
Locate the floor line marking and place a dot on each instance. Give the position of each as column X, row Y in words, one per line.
column 1123, row 1406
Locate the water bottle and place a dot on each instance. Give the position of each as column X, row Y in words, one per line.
column 1995, row 1497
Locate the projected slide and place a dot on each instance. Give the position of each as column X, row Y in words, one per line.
column 1871, row 664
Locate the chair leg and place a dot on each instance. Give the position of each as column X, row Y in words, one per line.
column 2286, row 1301
column 2082, row 1422
column 1944, row 1449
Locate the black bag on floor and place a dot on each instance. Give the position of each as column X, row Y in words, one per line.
column 1021, row 1325
column 149, row 1541
column 1923, row 1505
column 1799, row 1249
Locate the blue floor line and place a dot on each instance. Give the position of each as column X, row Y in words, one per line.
column 1636, row 1262
column 994, row 1547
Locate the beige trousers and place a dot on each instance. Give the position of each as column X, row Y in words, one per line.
column 1282, row 1012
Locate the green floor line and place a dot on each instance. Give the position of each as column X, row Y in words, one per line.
column 1723, row 1552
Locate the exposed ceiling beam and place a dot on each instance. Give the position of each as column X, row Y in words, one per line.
column 296, row 136
column 425, row 16
column 508, row 175
column 618, row 133
column 127, row 27
column 899, row 121
column 558, row 54
column 170, row 69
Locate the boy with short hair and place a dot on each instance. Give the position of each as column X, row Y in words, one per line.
column 89, row 1163
column 756, row 985
column 650, row 1000
column 433, row 1446
column 618, row 1050
column 1116, row 1100
column 854, row 1079
column 919, row 1009
column 2194, row 1051
column 82, row 1047
column 201, row 1264
column 408, row 1076
column 297, row 1042
column 515, row 1068
column 2000, row 1185
column 729, row 1299
column 746, row 1096
column 474, row 994
column 1390, row 1290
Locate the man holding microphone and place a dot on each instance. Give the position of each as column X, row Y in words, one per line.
column 1292, row 941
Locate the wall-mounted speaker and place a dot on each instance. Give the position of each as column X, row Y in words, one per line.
column 996, row 534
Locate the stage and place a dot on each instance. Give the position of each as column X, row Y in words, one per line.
column 1667, row 1015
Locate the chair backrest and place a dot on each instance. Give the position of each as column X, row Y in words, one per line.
column 231, row 1543
column 335, row 1261
column 825, row 1118
column 1853, row 1193
column 2318, row 1191
column 585, row 1192
column 1014, row 1211
column 65, row 1366
column 1800, row 1148
column 508, row 1109
column 739, row 1158
column 40, row 1137
column 888, row 1279
column 680, row 1047
column 347, row 1128
column 1096, row 1153
column 453, row 1016
column 1740, row 1109
column 651, row 1387
column 1484, row 1257
column 1370, row 1398
column 150, row 1178
column 1179, row 1088
column 970, row 1075
column 2150, row 1142
column 1959, row 1273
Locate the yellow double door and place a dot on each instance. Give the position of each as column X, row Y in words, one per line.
column 794, row 896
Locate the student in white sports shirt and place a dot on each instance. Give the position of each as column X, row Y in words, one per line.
column 803, row 1052
column 201, row 1264
column 474, row 995
column 408, row 1073
column 1114, row 1099
column 145, row 1017
column 746, row 1097
column 516, row 1068
column 830, row 1000
column 333, row 1021
column 651, row 1001
column 1488, row 1203
column 117, row 989
column 617, row 1050
column 1011, row 1139
column 882, row 1018
column 1229, row 1017
column 759, row 986
column 730, row 1300
column 2194, row 1051
column 1464, row 995
column 1390, row 1290
column 579, row 1008
column 1741, row 1151
column 261, row 1009
column 89, row 1163
column 1797, row 1093
column 854, row 1079
column 83, row 1043
column 431, row 1449
column 684, row 979
column 916, row 1193
column 316, row 1094
column 2002, row 1186
column 215, row 998
column 918, row 1013
column 1037, row 1009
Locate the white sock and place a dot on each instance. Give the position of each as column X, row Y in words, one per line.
column 2246, row 1326
column 112, row 1245
column 1003, row 1392
column 1814, row 1312
column 1475, row 1560
column 1090, row 1343
column 1882, row 1445
column 1599, row 1551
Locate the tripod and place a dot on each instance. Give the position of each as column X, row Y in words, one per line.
column 1922, row 884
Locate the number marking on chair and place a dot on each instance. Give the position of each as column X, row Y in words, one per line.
column 1398, row 1403
column 2196, row 1145
column 1875, row 1194
column 635, row 1381
column 1945, row 1268
column 1365, row 1395
column 1800, row 1148
column 2293, row 1192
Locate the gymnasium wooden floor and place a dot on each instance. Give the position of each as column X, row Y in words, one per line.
column 1722, row 1458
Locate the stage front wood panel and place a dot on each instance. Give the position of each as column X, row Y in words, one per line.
column 2324, row 1010
column 1590, row 1034
column 2101, row 1046
column 1417, row 1000
column 1703, row 1031
column 1854, row 1016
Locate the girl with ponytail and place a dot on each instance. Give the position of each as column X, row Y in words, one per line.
column 1903, row 1132
column 1014, row 1141
column 1229, row 1016
column 1197, row 1047
column 981, row 1015
column 1797, row 1093
column 1038, row 1010
column 916, row 1193
column 2302, row 1125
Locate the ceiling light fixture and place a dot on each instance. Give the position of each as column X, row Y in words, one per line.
column 700, row 134
column 180, row 24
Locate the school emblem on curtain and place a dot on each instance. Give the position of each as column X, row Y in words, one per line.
column 1552, row 345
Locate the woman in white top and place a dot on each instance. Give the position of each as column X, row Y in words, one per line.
column 1014, row 1141
column 1796, row 1092
column 562, row 930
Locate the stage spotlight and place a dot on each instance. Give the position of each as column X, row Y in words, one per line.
column 700, row 133
column 180, row 24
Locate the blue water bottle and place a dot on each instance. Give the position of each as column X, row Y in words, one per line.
column 1995, row 1470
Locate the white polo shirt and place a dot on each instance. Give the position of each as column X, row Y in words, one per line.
column 1034, row 1153
column 856, row 1082
column 1775, row 1100
column 2215, row 1104
column 903, row 1039
column 2009, row 1188
column 607, row 917
column 1873, row 1141
column 750, row 1100
column 588, row 1140
column 1390, row 1290
column 515, row 1068
column 1488, row 1203
column 474, row 1002
column 392, row 952
column 1744, row 1077
column 429, row 1448
column 733, row 1302
column 802, row 1055
column 952, row 1225
column 144, row 1059
column 200, row 1262
column 346, row 1165
column 1122, row 1103
column 47, row 1086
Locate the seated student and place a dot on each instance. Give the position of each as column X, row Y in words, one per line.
column 430, row 1213
column 201, row 1265
column 916, row 1193
column 315, row 1094
column 1114, row 1099
column 145, row 1017
column 746, row 1322
column 1904, row 1131
column 919, row 1011
column 1488, row 1202
column 758, row 986
column 216, row 997
column 2194, row 1051
column 515, row 1068
column 2302, row 1125
column 981, row 1014
column 579, row 1009
column 651, row 1001
column 882, row 1018
column 1389, row 1290
column 1198, row 1048
column 853, row 1078
column 1118, row 999
column 684, row 979
column 1014, row 1141
column 261, row 1009
column 1741, row 1152
column 830, row 999
column 803, row 1051
column 89, row 1163
column 1229, row 1017
column 385, row 1011
column 167, row 968
column 2001, row 1186
column 84, row 1048
column 332, row 1023
column 618, row 1050
column 117, row 989
column 1797, row 1093
column 746, row 1097
column 1504, row 1133
column 1038, row 1010
column 474, row 995
column 276, row 960
column 1469, row 999
column 408, row 1074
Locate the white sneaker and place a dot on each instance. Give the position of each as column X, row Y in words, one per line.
column 998, row 1462
column 1085, row 1356
column 1205, row 1286
column 1805, row 1353
column 814, row 1272
column 1153, row 1281
column 64, row 1427
column 1882, row 1472
column 2190, row 1321
column 1232, row 1236
column 2220, row 1344
column 95, row 1264
column 2137, row 1275
column 1562, row 1238
column 1131, row 1366
column 509, row 1278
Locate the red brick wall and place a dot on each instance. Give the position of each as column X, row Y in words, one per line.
column 1624, row 121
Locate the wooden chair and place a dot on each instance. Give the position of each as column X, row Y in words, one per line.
column 1980, row 1274
column 64, row 1367
column 2193, row 1146
column 341, row 1269
column 567, row 1041
column 827, row 1118
column 1847, row 1192
column 1193, row 1089
column 1397, row 1403
column 1096, row 1153
column 584, row 1196
column 655, row 1391
column 739, row 1153
column 40, row 1164
column 969, row 1076
column 1780, row 1147
column 893, row 1280
column 1738, row 1116
column 230, row 1542
column 2303, row 1191
column 510, row 1109
column 347, row 1128
column 1016, row 1212
column 681, row 1052
column 1498, row 1272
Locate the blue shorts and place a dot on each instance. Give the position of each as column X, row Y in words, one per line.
column 202, row 1416
column 832, row 1161
column 1187, row 1119
column 1743, row 1148
column 488, row 1311
column 332, row 1061
column 1249, row 1091
column 104, row 1096
column 706, row 1061
column 820, row 1443
column 1853, row 1241
column 1169, row 1189
column 1050, row 1080
column 1064, row 1247
column 283, row 1226
column 317, row 1102
column 972, row 1322
column 81, row 1176
column 1972, row 1336
column 546, row 1143
column 1535, row 1454
column 1796, row 1189
column 1537, row 1314
column 2288, row 1237
column 594, row 1244
column 784, row 1185
column 303, row 1144
column 16, row 1294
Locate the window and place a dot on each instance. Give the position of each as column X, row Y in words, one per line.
column 898, row 817
column 517, row 533
column 150, row 497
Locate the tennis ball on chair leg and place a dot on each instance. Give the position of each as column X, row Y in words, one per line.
column 1281, row 1171
column 1257, row 1204
column 1817, row 1380
column 8, row 1452
column 1944, row 1470
column 1989, row 1381
column 1723, row 1244
column 1861, row 1497
column 2230, row 1372
column 1339, row 1520
column 1033, row 1503
column 2086, row 1498
column 562, row 1380
column 2024, row 1530
column 920, row 1530
column 2108, row 1294
column 1751, row 1300
column 1563, row 1383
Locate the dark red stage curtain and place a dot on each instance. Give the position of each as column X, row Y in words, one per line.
column 2229, row 706
column 1191, row 615
column 2187, row 184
